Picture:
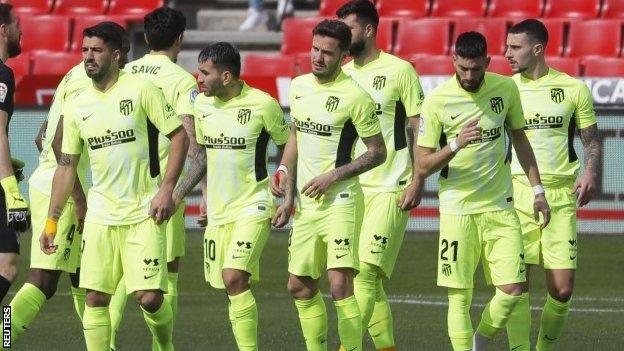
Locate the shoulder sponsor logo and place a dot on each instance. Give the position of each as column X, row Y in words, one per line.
column 244, row 115
column 3, row 92
column 126, row 107
column 497, row 104
column 332, row 103
column 557, row 95
column 193, row 95
column 379, row 82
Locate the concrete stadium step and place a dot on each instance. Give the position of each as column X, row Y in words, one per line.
column 188, row 58
column 198, row 39
column 211, row 19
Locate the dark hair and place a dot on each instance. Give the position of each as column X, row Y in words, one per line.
column 162, row 27
column 5, row 13
column 471, row 45
column 364, row 10
column 223, row 55
column 532, row 28
column 334, row 29
column 111, row 33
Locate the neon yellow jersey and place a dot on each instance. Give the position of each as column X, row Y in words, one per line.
column 235, row 134
column 329, row 118
column 73, row 83
column 394, row 86
column 119, row 128
column 478, row 178
column 554, row 105
column 178, row 86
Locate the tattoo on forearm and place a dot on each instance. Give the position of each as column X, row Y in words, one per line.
column 65, row 159
column 291, row 186
column 56, row 212
column 196, row 172
column 367, row 161
column 591, row 148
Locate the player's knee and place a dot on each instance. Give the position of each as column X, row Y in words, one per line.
column 150, row 300
column 97, row 299
column 341, row 288
column 511, row 289
column 173, row 266
column 9, row 272
column 298, row 290
column 562, row 293
column 235, row 281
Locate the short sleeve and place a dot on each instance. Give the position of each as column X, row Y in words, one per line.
column 274, row 123
column 430, row 127
column 584, row 114
column 515, row 116
column 410, row 91
column 158, row 111
column 185, row 97
column 7, row 89
column 72, row 143
column 363, row 116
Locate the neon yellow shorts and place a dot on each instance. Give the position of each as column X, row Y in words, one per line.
column 67, row 256
column 557, row 243
column 325, row 239
column 136, row 251
column 383, row 229
column 176, row 235
column 236, row 245
column 494, row 237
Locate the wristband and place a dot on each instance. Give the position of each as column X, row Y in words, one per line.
column 539, row 189
column 50, row 227
column 9, row 184
column 453, row 145
column 282, row 168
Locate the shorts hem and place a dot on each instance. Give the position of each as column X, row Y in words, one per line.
column 49, row 268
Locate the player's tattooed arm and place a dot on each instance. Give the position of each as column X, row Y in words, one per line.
column 41, row 135
column 196, row 172
column 410, row 197
column 585, row 186
column 62, row 183
column 77, row 194
column 188, row 122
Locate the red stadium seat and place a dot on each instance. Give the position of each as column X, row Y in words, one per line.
column 256, row 65
column 32, row 7
column 80, row 7
column 458, row 8
column 583, row 9
column 598, row 38
column 424, row 36
column 569, row 65
column 384, row 34
column 515, row 9
column 500, row 65
column 328, row 8
column 555, row 35
column 603, row 67
column 83, row 22
column 440, row 65
column 135, row 9
column 612, row 9
column 54, row 63
column 55, row 27
column 494, row 30
column 20, row 65
column 403, row 8
column 304, row 63
column 298, row 34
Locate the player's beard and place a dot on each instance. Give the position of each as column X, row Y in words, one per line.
column 329, row 70
column 98, row 74
column 469, row 86
column 14, row 48
column 357, row 47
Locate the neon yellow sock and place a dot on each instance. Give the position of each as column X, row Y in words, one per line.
column 24, row 308
column 160, row 324
column 171, row 297
column 349, row 323
column 381, row 326
column 458, row 319
column 554, row 316
column 116, row 309
column 233, row 322
column 519, row 325
column 245, row 312
column 96, row 326
column 365, row 290
column 313, row 318
column 496, row 313
column 79, row 295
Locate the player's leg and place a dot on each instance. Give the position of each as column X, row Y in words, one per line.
column 117, row 307
column 9, row 251
column 176, row 243
column 311, row 310
column 381, row 326
column 79, row 295
column 560, row 283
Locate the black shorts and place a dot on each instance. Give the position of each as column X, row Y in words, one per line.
column 9, row 238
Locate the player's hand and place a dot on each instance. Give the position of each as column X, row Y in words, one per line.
column 80, row 209
column 46, row 240
column 203, row 214
column 18, row 215
column 278, row 183
column 282, row 215
column 585, row 189
column 319, row 185
column 540, row 205
column 162, row 206
column 411, row 196
column 469, row 132
column 18, row 168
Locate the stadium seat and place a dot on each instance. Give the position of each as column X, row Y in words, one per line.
column 440, row 65
column 32, row 7
column 57, row 27
column 458, row 8
column 384, row 34
column 80, row 7
column 403, row 8
column 500, row 65
column 594, row 38
column 603, row 67
column 494, row 30
column 555, row 28
column 83, row 22
column 135, row 9
column 515, row 9
column 298, row 34
column 424, row 36
column 54, row 63
column 255, row 65
column 581, row 9
column 328, row 8
column 569, row 65
column 20, row 65
column 612, row 9
column 303, row 63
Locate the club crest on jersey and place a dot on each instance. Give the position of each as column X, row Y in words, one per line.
column 557, row 95
column 379, row 82
column 126, row 107
column 244, row 115
column 332, row 103
column 497, row 105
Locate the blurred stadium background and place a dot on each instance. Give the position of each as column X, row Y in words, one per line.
column 585, row 41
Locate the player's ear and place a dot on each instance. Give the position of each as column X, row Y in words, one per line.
column 369, row 30
column 538, row 49
column 487, row 62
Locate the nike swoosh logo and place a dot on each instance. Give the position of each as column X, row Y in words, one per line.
column 457, row 115
column 149, row 276
column 87, row 117
column 572, row 257
column 548, row 338
column 297, row 97
column 341, row 256
column 515, row 347
column 206, row 116
column 376, row 252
